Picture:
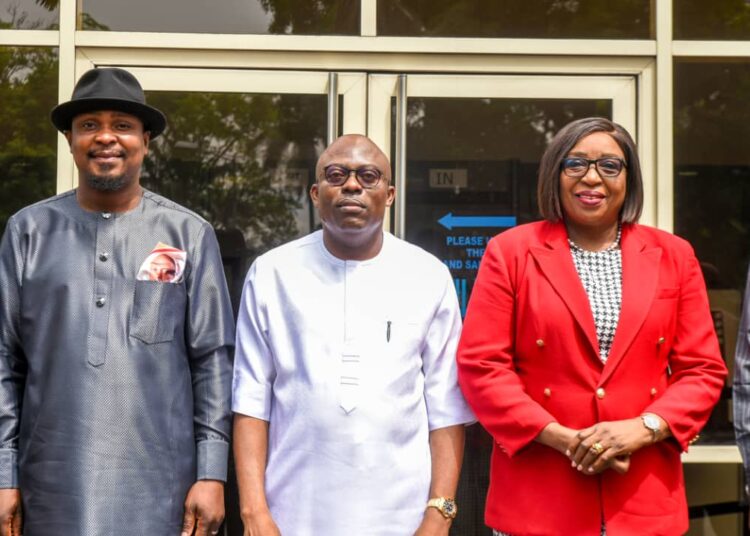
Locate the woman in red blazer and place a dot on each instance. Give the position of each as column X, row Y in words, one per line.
column 588, row 352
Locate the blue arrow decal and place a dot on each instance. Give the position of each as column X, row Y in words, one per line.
column 449, row 221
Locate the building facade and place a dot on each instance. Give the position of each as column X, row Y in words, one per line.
column 461, row 94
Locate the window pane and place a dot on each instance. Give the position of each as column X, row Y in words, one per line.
column 29, row 14
column 300, row 17
column 244, row 162
column 624, row 19
column 28, row 141
column 712, row 196
column 717, row 19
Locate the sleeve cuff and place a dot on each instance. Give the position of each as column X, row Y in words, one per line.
column 212, row 457
column 8, row 468
column 459, row 413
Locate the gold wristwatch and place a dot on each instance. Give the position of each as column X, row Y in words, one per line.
column 445, row 506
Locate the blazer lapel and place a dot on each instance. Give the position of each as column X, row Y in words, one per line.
column 556, row 262
column 640, row 275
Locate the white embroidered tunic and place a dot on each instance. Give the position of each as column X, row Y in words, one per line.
column 352, row 363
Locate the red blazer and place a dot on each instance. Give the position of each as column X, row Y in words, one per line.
column 529, row 356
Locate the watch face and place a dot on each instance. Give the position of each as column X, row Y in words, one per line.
column 449, row 508
column 651, row 422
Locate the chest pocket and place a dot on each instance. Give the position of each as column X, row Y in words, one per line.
column 156, row 308
column 403, row 334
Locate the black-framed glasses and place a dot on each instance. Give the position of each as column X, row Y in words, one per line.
column 608, row 167
column 367, row 176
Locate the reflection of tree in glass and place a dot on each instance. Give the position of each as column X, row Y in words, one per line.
column 28, row 142
column 229, row 156
column 717, row 19
column 312, row 16
column 301, row 17
column 86, row 22
column 29, row 14
column 494, row 129
column 712, row 175
column 530, row 18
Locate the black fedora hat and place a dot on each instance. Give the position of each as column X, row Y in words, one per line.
column 109, row 89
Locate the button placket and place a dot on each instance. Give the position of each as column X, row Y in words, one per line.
column 350, row 367
column 103, row 271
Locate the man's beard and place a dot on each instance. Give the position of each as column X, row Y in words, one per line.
column 107, row 183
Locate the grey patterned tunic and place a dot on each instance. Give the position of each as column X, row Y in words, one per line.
column 601, row 275
column 114, row 392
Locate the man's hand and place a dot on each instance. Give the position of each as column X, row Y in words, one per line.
column 260, row 524
column 433, row 524
column 204, row 508
column 10, row 512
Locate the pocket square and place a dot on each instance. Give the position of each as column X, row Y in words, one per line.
column 165, row 264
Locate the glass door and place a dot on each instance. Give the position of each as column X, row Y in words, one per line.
column 465, row 151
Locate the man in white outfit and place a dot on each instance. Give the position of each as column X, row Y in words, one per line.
column 348, row 415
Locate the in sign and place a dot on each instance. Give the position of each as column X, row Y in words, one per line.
column 449, row 178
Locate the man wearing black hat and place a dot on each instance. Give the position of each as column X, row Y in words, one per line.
column 114, row 387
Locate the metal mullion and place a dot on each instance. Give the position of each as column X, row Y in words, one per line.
column 400, row 157
column 664, row 117
column 332, row 129
column 66, row 82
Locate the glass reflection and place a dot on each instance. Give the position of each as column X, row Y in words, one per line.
column 28, row 141
column 712, row 197
column 718, row 19
column 471, row 162
column 301, row 17
column 624, row 19
column 244, row 162
column 29, row 14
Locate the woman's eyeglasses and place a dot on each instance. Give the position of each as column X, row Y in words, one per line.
column 608, row 168
column 367, row 176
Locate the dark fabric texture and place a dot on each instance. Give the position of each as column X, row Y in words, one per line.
column 114, row 393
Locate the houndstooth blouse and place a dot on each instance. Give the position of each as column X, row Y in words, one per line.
column 601, row 275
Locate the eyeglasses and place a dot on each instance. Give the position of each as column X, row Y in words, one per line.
column 609, row 167
column 367, row 176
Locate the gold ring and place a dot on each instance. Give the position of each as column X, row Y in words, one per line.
column 597, row 448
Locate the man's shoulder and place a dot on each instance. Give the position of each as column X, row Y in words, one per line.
column 413, row 258
column 36, row 211
column 160, row 202
column 291, row 253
